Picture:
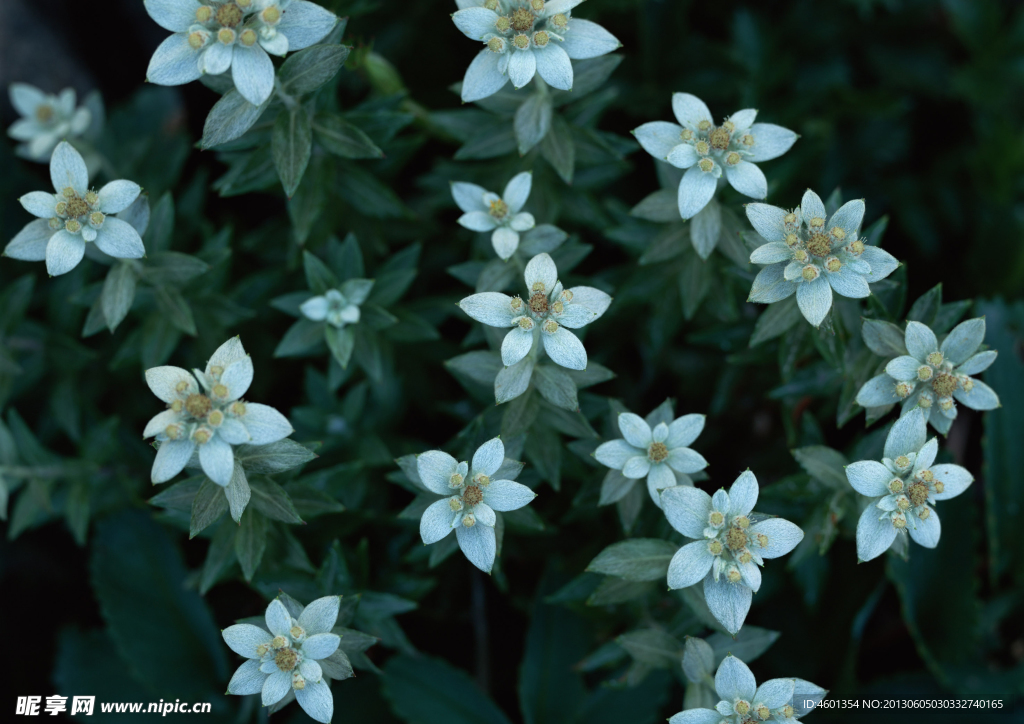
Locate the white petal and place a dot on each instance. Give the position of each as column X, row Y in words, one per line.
column 869, row 477
column 305, row 24
column 774, row 693
column 976, row 363
column 684, row 431
column 903, row 368
column 234, row 432
column 734, row 680
column 315, row 698
column 523, row 221
column 770, row 285
column 690, row 110
column 30, row 243
column 39, row 203
column 505, row 495
column 175, row 62
column 878, row 391
column 243, row 638
column 117, row 196
column 585, row 39
column 767, row 220
column 695, row 191
column 63, row 252
column 483, row 78
column 488, row 457
column 321, row 645
column 874, row 536
column 171, row 459
column 478, row 544
column 770, row 141
column 276, row 687
column 237, row 377
column 907, row 435
column 635, row 430
column 685, row 460
column 728, row 602
column 311, row 671
column 593, row 299
column 615, row 453
column 218, row 460
column 160, row 422
column 925, row 532
column 814, row 299
column 517, row 191
column 490, row 308
column 477, row 221
column 521, row 67
column 963, row 340
column 564, row 348
column 227, row 354
column 476, row 22
column 554, row 65
column 277, row 45
column 783, row 536
column 279, row 621
column 848, row 283
column 748, row 179
column 689, row 565
column 687, row 509
column 541, row 270
column 920, row 340
column 436, row 469
column 771, row 253
column 120, row 239
column 164, row 381
column 954, row 479
column 217, row 59
column 681, row 156
column 516, row 345
column 812, row 207
column 174, row 15
column 436, row 521
column 659, row 478
column 265, row 424
column 247, row 679
column 469, row 197
column 26, row 98
column 253, row 72
column 658, row 138
column 981, row 397
column 882, row 263
column 315, row 308
column 848, row 217
column 743, row 494
column 67, row 169
column 636, row 467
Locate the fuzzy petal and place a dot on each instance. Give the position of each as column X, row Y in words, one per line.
column 436, row 469
column 684, row 431
column 517, row 191
column 479, row 545
column 320, row 615
column 505, row 495
column 903, row 368
column 874, row 536
column 690, row 110
column 120, row 239
column 64, row 251
column 516, row 345
column 770, row 285
column 30, row 243
column 164, row 381
column 907, row 435
column 878, row 391
column 321, row 645
column 771, row 253
column 253, row 72
column 243, row 638
column 814, row 299
column 659, row 138
column 812, row 207
column 554, row 66
column 869, row 477
column 316, row 700
column 160, row 422
column 247, row 679
column 695, row 191
column 276, row 687
column 729, row 603
column 265, row 424
column 171, row 459
column 687, row 510
column 848, row 283
column 67, row 169
column 505, row 242
column 635, row 430
column 920, row 340
column 685, row 460
column 483, row 78
column 926, row 532
column 954, row 479
column 491, row 308
column 488, row 457
column 659, row 477
column 175, row 62
column 216, row 59
column 882, row 263
column 768, row 221
column 981, row 397
column 40, row 204
column 974, row 364
column 748, row 179
column 585, row 39
column 218, row 460
column 774, row 693
column 117, row 196
column 689, row 565
column 522, row 65
column 964, row 340
column 615, row 453
column 174, row 15
column 477, row 221
column 305, row 24
column 476, row 22
column 682, row 155
column 770, row 141
column 636, row 467
column 848, row 217
column 783, row 536
column 565, row 349
column 469, row 197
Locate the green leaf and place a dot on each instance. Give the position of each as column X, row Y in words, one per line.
column 275, row 457
column 175, row 309
column 747, row 645
column 319, row 276
column 180, row 495
column 776, row 320
column 342, row 138
column 172, row 267
column 556, row 386
column 926, row 306
column 309, row 69
column 310, row 502
column 479, row 367
column 301, row 338
column 251, row 542
column 157, row 623
column 488, row 144
column 292, row 146
column 367, row 193
column 618, row 590
column 883, row 338
column 532, row 122
column 636, row 559
column 209, row 504
column 652, row 647
column 219, row 556
column 588, row 76
column 824, row 464
column 669, row 243
column 662, row 206
column 558, row 149
column 237, row 492
column 341, row 342
column 271, row 499
column 230, row 118
column 424, row 690
column 118, row 293
column 642, row 703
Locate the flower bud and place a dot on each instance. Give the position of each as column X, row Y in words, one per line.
column 810, row 273
column 706, row 165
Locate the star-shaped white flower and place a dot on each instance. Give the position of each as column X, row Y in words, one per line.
column 811, row 254
column 932, row 376
column 486, row 211
column 904, row 487
column 544, row 318
column 213, row 418
column 743, row 701
column 220, row 35
column 45, row 120
column 731, row 543
column 524, row 38
column 292, row 657
column 338, row 307
column 74, row 216
column 656, row 454
column 472, row 494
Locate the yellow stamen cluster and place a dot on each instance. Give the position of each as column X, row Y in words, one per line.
column 472, row 496
column 198, row 405
column 715, row 548
column 706, row 165
column 719, row 138
column 550, row 326
column 44, row 113
column 521, row 19
column 286, row 659
column 229, row 15
column 541, row 38
column 539, row 303
column 498, row 209
column 819, row 245
column 944, row 384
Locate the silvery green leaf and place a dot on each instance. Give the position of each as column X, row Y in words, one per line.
column 237, row 492
column 208, row 505
column 480, row 367
column 698, row 660
column 137, row 214
column 747, row 645
column 341, row 342
column 118, row 293
column 175, row 309
column 661, row 206
column 172, row 267
column 512, row 381
column 273, row 501
column 653, row 647
column 636, row 559
column 556, row 386
column 615, row 487
column 883, row 338
column 488, row 144
column 669, row 243
column 251, row 542
column 588, row 75
column 593, row 375
column 558, row 148
column 532, row 122
column 180, row 495
column 309, row 69
column 342, row 138
column 292, row 145
column 275, row 457
column 229, row 119
column 301, row 338
column 775, row 321
column 318, row 275
column 824, row 464
column 541, row 239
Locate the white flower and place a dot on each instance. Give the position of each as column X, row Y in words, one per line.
column 214, row 418
column 547, row 314
column 742, row 700
column 903, row 488
column 218, row 35
column 729, row 546
column 656, row 454
column 338, row 307
column 293, row 656
column 811, row 254
column 525, row 37
column 932, row 376
column 485, row 210
column 46, row 120
column 705, row 150
column 74, row 216
column 472, row 493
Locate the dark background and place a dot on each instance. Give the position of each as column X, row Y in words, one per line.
column 913, row 105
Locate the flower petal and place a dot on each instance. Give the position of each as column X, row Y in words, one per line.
column 869, row 477
column 174, row 62
column 436, row 469
column 253, row 71
column 770, row 141
column 483, row 78
column 685, row 460
column 265, row 424
column 767, row 220
column 774, row 693
column 320, row 615
column 174, row 15
column 920, row 340
column 315, row 308
column 658, row 138
column 636, row 467
column 541, row 270
column 171, row 459
column 160, row 422
column 522, row 65
column 593, row 299
column 690, row 110
column 682, row 155
column 216, row 59
column 907, row 435
column 437, row 521
column 687, row 509
column 635, row 430
column 516, row 345
column 695, row 191
column 476, row 22
column 771, row 253
column 585, row 39
column 974, row 364
column 565, row 349
column 39, row 203
column 684, row 431
column 30, row 243
column 477, row 221
column 903, row 368
column 878, row 391
column 771, row 285
column 748, row 179
column 848, row 283
column 659, row 477
column 469, row 197
column 26, row 98
column 67, row 169
column 276, row 687
column 505, row 495
column 479, row 545
column 954, row 479
column 814, row 299
column 783, row 536
column 554, row 65
column 925, row 532
column 517, row 191
column 963, row 340
column 882, row 263
column 64, row 251
column 321, row 645
column 305, row 24
column 218, row 460
column 488, row 457
column 120, row 239
column 874, row 535
column 743, row 494
column 316, row 700
column 729, row 603
column 491, row 308
column 243, row 638
column 689, row 565
column 247, row 679
column 981, row 396
column 117, row 196
column 615, row 453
